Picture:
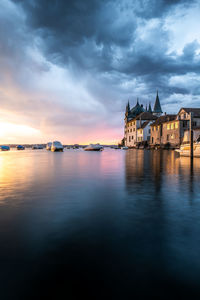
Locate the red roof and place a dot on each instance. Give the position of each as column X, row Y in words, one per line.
column 146, row 116
column 163, row 119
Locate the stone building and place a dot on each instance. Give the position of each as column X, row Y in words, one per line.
column 157, row 129
column 144, row 130
column 135, row 118
column 184, row 115
column 172, row 133
column 171, row 129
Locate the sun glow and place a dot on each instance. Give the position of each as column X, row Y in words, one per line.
column 14, row 133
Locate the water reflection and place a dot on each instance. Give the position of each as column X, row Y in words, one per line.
column 129, row 219
column 152, row 170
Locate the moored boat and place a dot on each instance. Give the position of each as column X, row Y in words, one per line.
column 36, row 147
column 94, row 147
column 56, row 147
column 48, row 146
column 4, row 148
column 20, row 147
column 185, row 150
column 124, row 148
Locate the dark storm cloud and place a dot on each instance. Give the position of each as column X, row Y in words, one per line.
column 121, row 47
column 102, row 36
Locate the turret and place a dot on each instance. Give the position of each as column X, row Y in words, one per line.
column 127, row 109
column 157, row 107
column 150, row 109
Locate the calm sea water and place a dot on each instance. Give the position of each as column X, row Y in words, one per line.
column 109, row 225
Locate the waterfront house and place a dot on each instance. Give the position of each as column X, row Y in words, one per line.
column 134, row 120
column 144, row 130
column 171, row 129
column 184, row 116
column 157, row 129
column 175, row 132
column 132, row 126
column 172, row 132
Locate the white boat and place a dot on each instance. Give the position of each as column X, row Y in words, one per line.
column 56, row 147
column 48, row 146
column 185, row 150
column 94, row 147
column 124, row 148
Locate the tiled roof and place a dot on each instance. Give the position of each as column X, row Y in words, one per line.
column 196, row 111
column 144, row 125
column 146, row 116
column 163, row 119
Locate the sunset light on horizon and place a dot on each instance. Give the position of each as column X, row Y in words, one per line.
column 74, row 84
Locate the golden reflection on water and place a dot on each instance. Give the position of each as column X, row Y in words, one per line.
column 20, row 170
column 27, row 170
column 159, row 166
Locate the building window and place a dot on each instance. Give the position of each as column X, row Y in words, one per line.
column 176, row 125
column 167, row 137
column 149, row 130
column 129, row 138
column 168, row 126
column 184, row 124
column 132, row 137
column 172, row 125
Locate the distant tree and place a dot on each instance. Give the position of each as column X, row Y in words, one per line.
column 121, row 144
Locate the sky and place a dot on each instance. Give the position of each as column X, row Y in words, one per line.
column 68, row 68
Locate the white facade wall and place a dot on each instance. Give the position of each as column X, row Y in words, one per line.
column 144, row 133
column 131, row 132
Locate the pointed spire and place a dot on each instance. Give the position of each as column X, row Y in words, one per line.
column 127, row 108
column 150, row 109
column 137, row 102
column 146, row 108
column 157, row 106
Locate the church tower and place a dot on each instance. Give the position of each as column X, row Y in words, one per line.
column 127, row 110
column 157, row 107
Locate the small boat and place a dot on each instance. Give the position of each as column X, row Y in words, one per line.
column 116, row 147
column 124, row 148
column 94, row 147
column 56, row 147
column 36, row 147
column 20, row 147
column 48, row 146
column 76, row 146
column 185, row 150
column 4, row 148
